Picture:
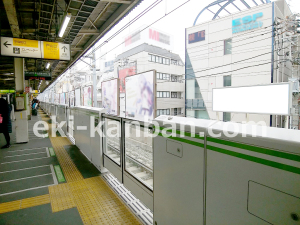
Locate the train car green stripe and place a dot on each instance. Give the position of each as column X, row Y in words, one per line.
column 256, row 149
column 59, row 174
column 256, row 160
column 185, row 141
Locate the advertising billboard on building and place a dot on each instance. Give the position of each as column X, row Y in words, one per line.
column 149, row 35
column 88, row 96
column 125, row 71
column 110, row 96
column 77, row 97
column 140, row 96
column 274, row 99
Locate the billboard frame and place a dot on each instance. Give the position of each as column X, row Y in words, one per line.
column 154, row 94
column 118, row 96
column 270, row 84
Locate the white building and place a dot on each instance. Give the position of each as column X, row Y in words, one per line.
column 170, row 75
column 241, row 49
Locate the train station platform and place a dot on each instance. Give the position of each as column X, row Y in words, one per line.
column 49, row 181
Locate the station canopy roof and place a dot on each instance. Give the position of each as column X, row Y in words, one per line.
column 41, row 20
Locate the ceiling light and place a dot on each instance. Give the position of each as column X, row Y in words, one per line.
column 64, row 25
column 47, row 65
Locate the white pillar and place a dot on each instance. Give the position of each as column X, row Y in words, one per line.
column 19, row 74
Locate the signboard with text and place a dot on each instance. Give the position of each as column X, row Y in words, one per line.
column 149, row 35
column 246, row 23
column 37, row 75
column 25, row 48
column 197, row 36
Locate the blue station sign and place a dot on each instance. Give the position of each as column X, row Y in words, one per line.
column 247, row 23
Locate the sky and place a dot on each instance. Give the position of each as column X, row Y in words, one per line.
column 174, row 23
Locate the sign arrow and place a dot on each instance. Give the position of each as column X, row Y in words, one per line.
column 5, row 44
column 64, row 48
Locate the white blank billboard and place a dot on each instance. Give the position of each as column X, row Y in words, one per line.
column 272, row 99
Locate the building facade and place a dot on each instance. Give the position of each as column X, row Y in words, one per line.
column 245, row 48
column 170, row 89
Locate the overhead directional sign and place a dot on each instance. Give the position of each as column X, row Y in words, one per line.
column 20, row 47
column 25, row 48
column 52, row 50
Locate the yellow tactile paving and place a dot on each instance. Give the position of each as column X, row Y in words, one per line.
column 70, row 170
column 24, row 203
column 10, row 206
column 110, row 203
column 97, row 204
column 61, row 197
column 34, row 201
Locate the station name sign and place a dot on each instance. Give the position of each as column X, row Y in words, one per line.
column 198, row 36
column 25, row 48
column 37, row 75
column 247, row 23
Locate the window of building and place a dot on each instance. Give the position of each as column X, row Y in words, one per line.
column 179, row 111
column 166, row 76
column 159, row 76
column 173, row 94
column 174, row 62
column 163, row 94
column 227, row 81
column 158, row 59
column 174, row 78
column 227, row 46
column 163, row 76
column 163, row 112
column 226, row 116
column 175, row 111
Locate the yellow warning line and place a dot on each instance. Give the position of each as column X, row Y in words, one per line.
column 24, row 203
